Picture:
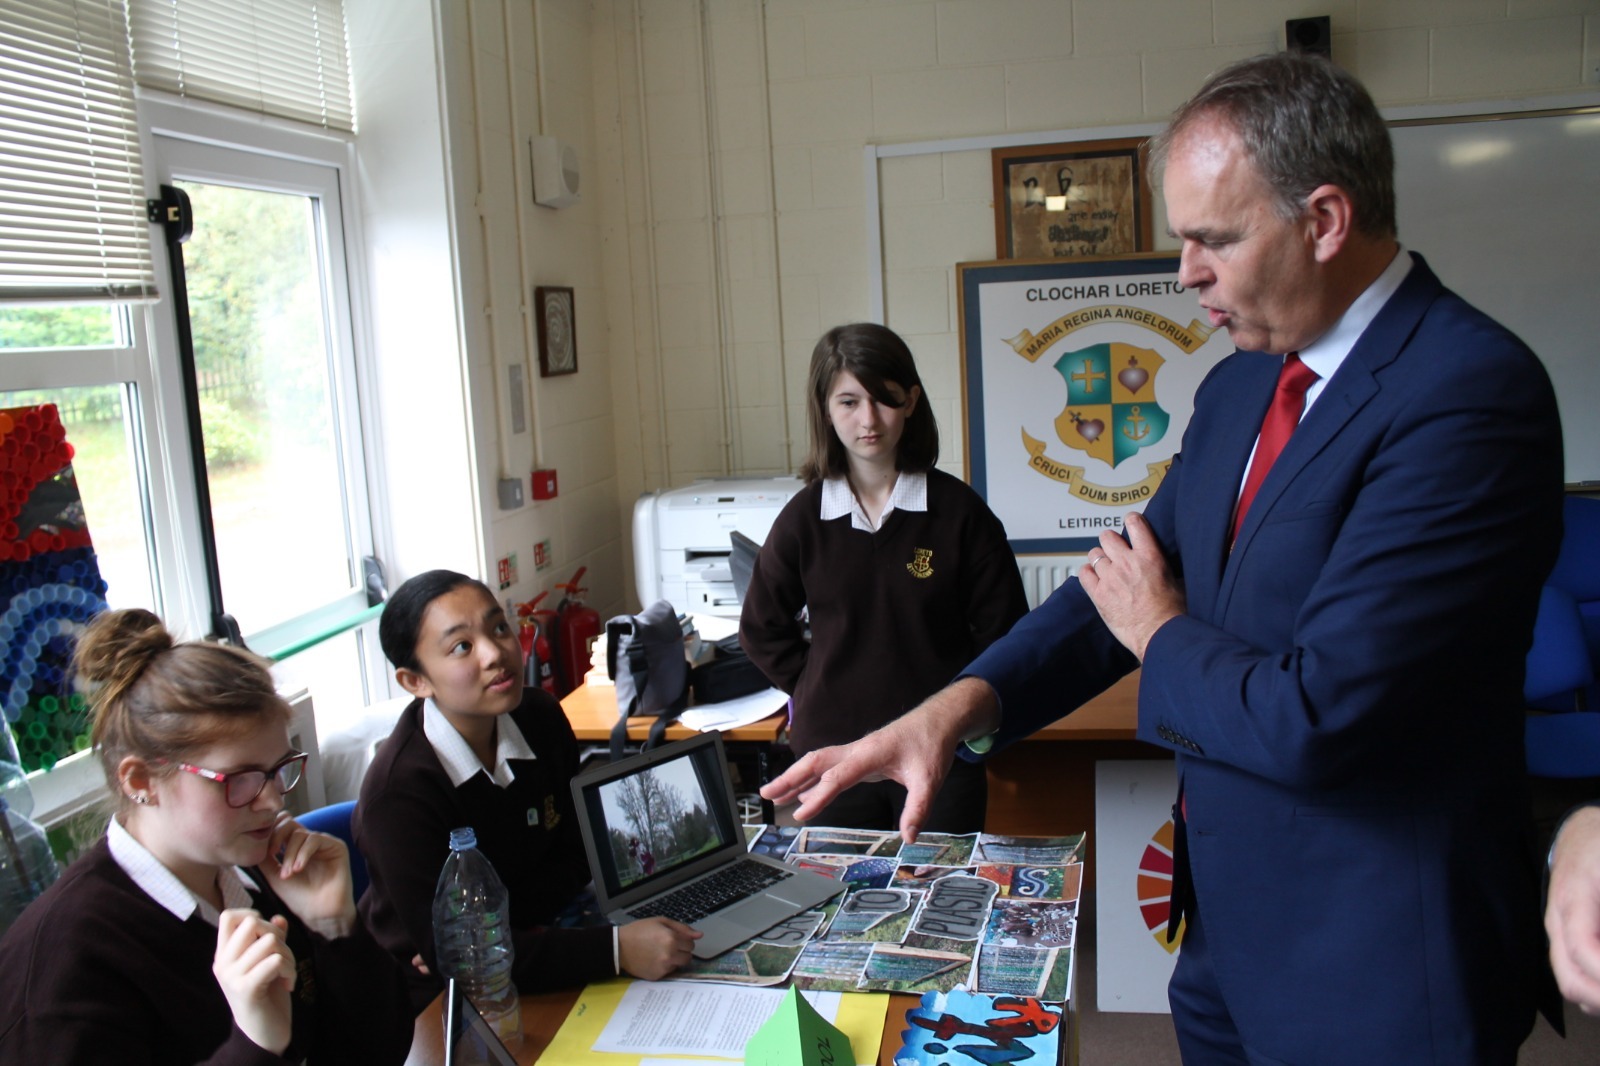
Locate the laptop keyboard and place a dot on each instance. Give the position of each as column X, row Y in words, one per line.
column 712, row 893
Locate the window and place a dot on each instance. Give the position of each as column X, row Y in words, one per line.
column 269, row 310
column 269, row 297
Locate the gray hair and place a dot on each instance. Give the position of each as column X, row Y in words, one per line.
column 1304, row 122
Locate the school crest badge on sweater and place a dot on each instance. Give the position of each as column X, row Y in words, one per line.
column 921, row 564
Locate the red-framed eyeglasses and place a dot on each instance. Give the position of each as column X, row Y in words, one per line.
column 241, row 787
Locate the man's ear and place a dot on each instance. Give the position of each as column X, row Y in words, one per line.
column 414, row 682
column 1331, row 214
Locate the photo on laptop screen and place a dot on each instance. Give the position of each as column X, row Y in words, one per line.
column 662, row 838
column 660, row 819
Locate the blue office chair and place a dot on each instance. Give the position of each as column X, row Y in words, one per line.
column 1577, row 571
column 334, row 820
column 1565, row 742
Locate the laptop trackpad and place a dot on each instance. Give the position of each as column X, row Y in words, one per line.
column 744, row 920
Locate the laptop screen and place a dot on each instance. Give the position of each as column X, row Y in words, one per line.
column 659, row 816
column 468, row 1039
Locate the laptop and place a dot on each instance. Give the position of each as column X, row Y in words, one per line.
column 662, row 838
column 468, row 1039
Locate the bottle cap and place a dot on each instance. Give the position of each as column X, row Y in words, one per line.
column 462, row 839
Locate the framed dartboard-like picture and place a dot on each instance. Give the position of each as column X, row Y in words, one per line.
column 558, row 336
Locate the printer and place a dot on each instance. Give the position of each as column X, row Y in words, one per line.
column 682, row 538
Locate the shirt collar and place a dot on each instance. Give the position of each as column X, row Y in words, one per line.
column 910, row 493
column 162, row 885
column 456, row 755
column 1327, row 353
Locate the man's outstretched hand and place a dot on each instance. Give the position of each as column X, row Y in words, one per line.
column 914, row 750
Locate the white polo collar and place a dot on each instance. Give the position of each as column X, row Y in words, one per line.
column 456, row 755
column 910, row 493
column 163, row 886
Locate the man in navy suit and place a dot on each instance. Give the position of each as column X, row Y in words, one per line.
column 1333, row 645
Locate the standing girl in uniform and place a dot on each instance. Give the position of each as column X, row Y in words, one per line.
column 206, row 925
column 903, row 571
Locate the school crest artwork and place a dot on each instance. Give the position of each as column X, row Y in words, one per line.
column 1111, row 411
column 1079, row 381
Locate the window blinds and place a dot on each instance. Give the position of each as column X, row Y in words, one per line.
column 277, row 57
column 72, row 202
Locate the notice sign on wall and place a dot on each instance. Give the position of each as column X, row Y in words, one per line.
column 1078, row 381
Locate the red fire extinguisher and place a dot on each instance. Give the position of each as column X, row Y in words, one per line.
column 539, row 660
column 578, row 627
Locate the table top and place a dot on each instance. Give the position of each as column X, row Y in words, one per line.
column 1112, row 715
column 592, row 710
column 543, row 1013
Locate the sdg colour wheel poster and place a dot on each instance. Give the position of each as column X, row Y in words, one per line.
column 1078, row 380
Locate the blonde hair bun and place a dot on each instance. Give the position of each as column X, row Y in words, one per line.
column 118, row 646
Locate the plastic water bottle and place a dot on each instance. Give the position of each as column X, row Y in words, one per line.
column 27, row 865
column 472, row 935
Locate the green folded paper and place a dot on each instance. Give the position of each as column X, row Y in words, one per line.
column 796, row 1035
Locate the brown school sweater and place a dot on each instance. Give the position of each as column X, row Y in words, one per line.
column 895, row 614
column 95, row 971
column 529, row 831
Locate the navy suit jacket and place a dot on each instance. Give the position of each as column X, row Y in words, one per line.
column 1344, row 693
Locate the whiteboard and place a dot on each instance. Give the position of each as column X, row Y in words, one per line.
column 1506, row 210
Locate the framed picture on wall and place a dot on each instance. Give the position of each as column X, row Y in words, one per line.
column 558, row 337
column 1078, row 380
column 1072, row 200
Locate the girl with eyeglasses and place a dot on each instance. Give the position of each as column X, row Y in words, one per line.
column 206, row 925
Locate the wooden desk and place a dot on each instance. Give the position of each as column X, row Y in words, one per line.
column 1112, row 715
column 592, row 710
column 543, row 1014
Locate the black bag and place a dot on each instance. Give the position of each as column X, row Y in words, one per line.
column 727, row 675
column 644, row 656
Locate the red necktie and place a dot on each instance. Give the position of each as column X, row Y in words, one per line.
column 1288, row 402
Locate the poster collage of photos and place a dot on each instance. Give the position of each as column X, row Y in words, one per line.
column 991, row 914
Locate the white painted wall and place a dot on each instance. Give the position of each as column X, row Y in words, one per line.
column 414, row 397
column 449, row 94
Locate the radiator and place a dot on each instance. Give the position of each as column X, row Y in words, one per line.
column 1043, row 574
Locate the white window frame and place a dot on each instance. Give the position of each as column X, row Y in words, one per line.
column 201, row 143
column 158, row 430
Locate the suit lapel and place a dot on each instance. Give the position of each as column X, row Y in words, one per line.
column 1352, row 386
column 1218, row 471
